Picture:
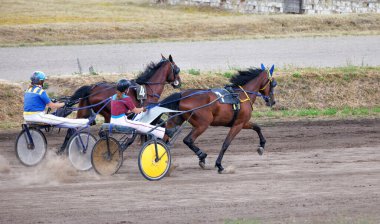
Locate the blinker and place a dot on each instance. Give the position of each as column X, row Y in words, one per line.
column 177, row 70
column 274, row 83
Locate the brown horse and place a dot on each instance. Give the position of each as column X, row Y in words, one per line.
column 155, row 77
column 208, row 111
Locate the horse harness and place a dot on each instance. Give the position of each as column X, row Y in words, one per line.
column 228, row 96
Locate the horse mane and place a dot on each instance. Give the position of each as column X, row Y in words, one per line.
column 103, row 84
column 80, row 93
column 243, row 77
column 149, row 72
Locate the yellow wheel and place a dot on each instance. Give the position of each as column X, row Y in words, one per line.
column 154, row 167
column 107, row 160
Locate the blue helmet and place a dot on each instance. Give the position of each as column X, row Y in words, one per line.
column 37, row 76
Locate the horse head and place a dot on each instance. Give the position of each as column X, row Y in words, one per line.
column 267, row 86
column 172, row 75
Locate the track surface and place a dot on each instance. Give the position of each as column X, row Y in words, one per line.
column 312, row 172
column 16, row 64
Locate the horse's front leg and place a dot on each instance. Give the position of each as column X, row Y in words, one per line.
column 231, row 135
column 70, row 132
column 189, row 141
column 255, row 127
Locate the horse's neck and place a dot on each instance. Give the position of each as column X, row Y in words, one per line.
column 132, row 95
column 252, row 86
column 158, row 81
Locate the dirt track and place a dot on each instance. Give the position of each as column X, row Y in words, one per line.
column 312, row 172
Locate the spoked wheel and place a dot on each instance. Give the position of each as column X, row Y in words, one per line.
column 31, row 154
column 80, row 148
column 152, row 165
column 107, row 158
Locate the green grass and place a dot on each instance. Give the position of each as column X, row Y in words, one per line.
column 194, row 71
column 296, row 75
column 43, row 22
column 329, row 112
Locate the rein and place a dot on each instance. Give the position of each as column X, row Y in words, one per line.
column 92, row 94
column 176, row 100
column 106, row 101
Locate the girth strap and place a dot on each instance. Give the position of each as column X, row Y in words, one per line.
column 236, row 109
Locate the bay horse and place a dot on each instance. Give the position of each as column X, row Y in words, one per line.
column 155, row 77
column 247, row 85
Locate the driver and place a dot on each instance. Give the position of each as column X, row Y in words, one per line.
column 35, row 101
column 121, row 104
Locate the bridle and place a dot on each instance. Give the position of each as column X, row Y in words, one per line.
column 174, row 71
column 270, row 82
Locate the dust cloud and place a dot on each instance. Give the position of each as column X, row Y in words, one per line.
column 4, row 165
column 53, row 170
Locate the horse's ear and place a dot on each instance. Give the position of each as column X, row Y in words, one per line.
column 271, row 70
column 263, row 67
column 163, row 58
column 170, row 58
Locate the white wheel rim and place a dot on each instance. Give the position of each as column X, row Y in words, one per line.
column 31, row 157
column 80, row 160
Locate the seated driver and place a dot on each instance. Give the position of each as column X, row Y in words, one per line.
column 35, row 101
column 122, row 104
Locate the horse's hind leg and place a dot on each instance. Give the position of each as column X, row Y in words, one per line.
column 189, row 141
column 231, row 135
column 69, row 133
column 255, row 127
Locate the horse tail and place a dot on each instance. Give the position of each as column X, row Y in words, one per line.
column 172, row 101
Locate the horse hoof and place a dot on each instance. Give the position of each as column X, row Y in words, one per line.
column 202, row 164
column 220, row 169
column 60, row 152
column 202, row 161
column 260, row 150
column 171, row 169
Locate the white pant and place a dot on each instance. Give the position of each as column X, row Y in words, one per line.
column 139, row 126
column 54, row 120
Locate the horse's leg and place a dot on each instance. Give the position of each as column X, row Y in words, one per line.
column 255, row 127
column 231, row 135
column 80, row 114
column 69, row 133
column 190, row 139
column 106, row 115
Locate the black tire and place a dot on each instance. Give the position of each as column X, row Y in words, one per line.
column 31, row 157
column 103, row 162
column 154, row 170
column 81, row 161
